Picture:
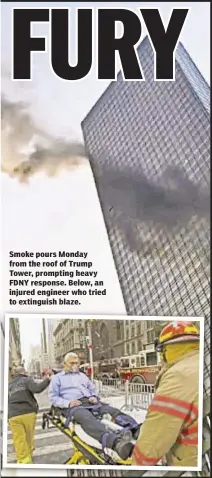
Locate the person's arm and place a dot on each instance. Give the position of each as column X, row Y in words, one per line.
column 161, row 428
column 37, row 387
column 54, row 394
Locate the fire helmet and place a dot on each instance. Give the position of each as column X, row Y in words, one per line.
column 177, row 332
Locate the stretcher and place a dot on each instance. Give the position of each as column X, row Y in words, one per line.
column 85, row 449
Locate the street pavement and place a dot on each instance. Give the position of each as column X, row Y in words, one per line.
column 51, row 446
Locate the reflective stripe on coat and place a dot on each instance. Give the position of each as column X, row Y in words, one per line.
column 171, row 425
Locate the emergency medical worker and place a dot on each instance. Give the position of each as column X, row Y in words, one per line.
column 170, row 429
column 22, row 411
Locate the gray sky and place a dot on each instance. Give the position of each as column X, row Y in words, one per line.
column 60, row 107
column 30, row 334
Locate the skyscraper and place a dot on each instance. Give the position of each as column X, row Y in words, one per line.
column 50, row 340
column 44, row 336
column 44, row 349
column 138, row 129
column 15, row 356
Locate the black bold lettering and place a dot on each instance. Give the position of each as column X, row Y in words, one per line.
column 60, row 44
column 23, row 44
column 164, row 43
column 108, row 44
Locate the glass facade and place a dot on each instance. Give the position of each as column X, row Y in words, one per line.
column 151, row 125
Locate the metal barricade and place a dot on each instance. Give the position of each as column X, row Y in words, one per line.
column 108, row 387
column 138, row 395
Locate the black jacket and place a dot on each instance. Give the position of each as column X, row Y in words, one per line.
column 21, row 398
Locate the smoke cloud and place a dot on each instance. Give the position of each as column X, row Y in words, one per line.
column 168, row 203
column 26, row 149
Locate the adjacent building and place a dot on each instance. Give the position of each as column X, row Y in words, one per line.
column 110, row 338
column 117, row 338
column 139, row 333
column 146, row 127
column 69, row 336
column 34, row 366
column 15, row 356
column 50, row 341
column 44, row 349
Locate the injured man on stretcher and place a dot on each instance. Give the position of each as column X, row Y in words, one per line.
column 72, row 391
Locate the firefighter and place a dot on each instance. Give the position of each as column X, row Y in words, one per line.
column 170, row 430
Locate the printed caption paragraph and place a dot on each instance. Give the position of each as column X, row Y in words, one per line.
column 52, row 278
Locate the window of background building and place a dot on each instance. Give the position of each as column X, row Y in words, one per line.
column 118, row 330
column 139, row 328
column 150, row 336
column 128, row 349
column 133, row 348
column 133, row 331
column 139, row 345
column 127, row 334
column 122, row 333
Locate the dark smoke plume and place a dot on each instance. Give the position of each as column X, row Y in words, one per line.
column 26, row 149
column 168, row 203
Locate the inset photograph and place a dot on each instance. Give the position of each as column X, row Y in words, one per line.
column 103, row 391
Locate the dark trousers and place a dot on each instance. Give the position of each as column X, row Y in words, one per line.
column 93, row 426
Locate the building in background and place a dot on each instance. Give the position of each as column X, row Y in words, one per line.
column 107, row 339
column 69, row 336
column 116, row 338
column 50, row 341
column 44, row 350
column 145, row 127
column 44, row 340
column 139, row 333
column 110, row 338
column 34, row 366
column 15, row 356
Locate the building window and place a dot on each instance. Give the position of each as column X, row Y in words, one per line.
column 128, row 349
column 127, row 334
column 133, row 348
column 139, row 328
column 133, row 331
column 139, row 345
column 150, row 336
column 118, row 330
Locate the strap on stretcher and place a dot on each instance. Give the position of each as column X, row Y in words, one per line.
column 67, row 413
